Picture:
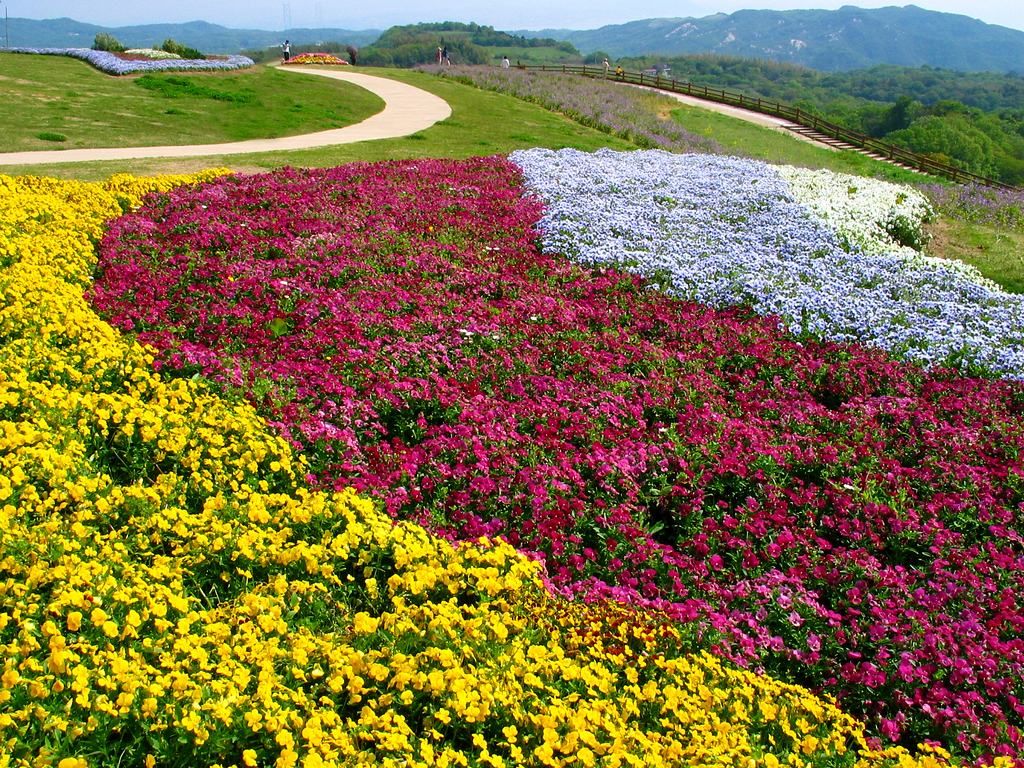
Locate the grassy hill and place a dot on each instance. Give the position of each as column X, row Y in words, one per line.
column 481, row 123
column 64, row 103
column 415, row 44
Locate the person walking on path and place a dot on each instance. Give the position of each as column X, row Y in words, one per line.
column 606, row 66
column 444, row 56
column 504, row 62
column 440, row 57
column 286, row 51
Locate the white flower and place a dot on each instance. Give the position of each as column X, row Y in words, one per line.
column 811, row 248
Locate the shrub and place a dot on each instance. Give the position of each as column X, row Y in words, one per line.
column 105, row 41
column 172, row 46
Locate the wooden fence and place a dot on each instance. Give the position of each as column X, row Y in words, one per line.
column 794, row 114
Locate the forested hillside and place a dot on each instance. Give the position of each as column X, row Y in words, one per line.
column 414, row 44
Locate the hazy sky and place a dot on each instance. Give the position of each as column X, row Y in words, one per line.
column 508, row 15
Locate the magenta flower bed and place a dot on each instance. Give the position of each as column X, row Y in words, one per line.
column 839, row 519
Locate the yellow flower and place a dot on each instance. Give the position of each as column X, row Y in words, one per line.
column 364, row 624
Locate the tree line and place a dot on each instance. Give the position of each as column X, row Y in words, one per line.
column 415, row 44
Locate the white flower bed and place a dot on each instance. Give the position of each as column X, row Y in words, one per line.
column 863, row 212
column 727, row 231
column 866, row 213
column 152, row 53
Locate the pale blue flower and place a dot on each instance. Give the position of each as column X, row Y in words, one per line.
column 112, row 65
column 727, row 231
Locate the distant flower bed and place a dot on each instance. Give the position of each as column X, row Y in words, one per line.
column 981, row 205
column 317, row 58
column 118, row 64
column 629, row 113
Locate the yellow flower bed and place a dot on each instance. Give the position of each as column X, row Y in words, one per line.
column 172, row 594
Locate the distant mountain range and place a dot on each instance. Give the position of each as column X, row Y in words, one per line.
column 209, row 38
column 849, row 38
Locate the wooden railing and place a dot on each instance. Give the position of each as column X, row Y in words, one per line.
column 793, row 114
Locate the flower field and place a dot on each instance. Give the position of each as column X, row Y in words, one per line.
column 979, row 204
column 173, row 593
column 814, row 509
column 114, row 64
column 326, row 59
column 626, row 112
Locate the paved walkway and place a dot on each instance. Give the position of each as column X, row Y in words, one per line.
column 769, row 121
column 406, row 110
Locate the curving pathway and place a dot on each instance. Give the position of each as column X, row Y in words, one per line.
column 407, row 109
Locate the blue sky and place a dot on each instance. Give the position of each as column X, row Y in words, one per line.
column 507, row 15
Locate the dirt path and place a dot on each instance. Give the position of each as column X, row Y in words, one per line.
column 406, row 110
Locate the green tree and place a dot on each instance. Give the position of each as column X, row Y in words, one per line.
column 952, row 139
column 896, row 118
column 105, row 41
column 173, row 46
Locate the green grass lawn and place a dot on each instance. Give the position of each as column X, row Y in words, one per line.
column 64, row 103
column 997, row 253
column 774, row 146
column 481, row 124
column 530, row 55
column 265, row 102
